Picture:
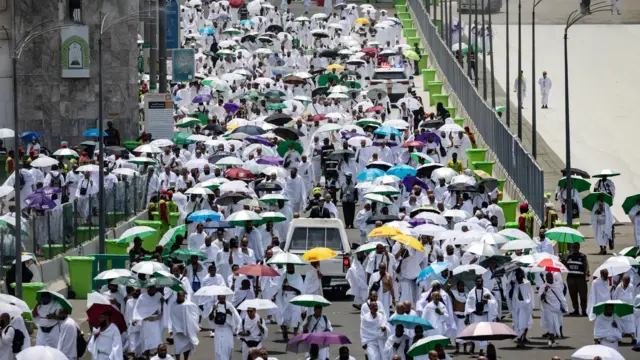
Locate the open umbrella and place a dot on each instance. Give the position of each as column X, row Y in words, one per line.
column 487, row 331
column 310, row 301
column 258, row 304
column 319, row 254
column 409, row 241
column 148, row 267
column 241, row 217
column 327, row 338
column 369, row 174
column 514, row 234
column 287, row 133
column 402, row 171
column 258, row 270
column 40, row 201
column 426, row 344
column 577, row 183
column 204, row 215
column 278, row 119
column 434, row 269
column 12, row 300
column 41, row 353
column 410, row 321
column 630, row 202
column 112, row 274
column 620, row 308
column 283, row 147
column 57, row 297
column 169, row 238
column 240, row 174
column 564, row 234
column 591, row 352
column 213, row 291
column 590, row 201
column 284, row 258
column 606, row 173
column 12, row 310
column 574, row 171
column 95, row 311
column 186, row 254
column 480, row 249
column 136, row 231
column 519, row 245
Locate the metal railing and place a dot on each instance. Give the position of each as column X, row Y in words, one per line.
column 70, row 225
column 520, row 166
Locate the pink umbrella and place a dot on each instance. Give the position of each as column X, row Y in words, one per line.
column 487, row 331
column 327, row 338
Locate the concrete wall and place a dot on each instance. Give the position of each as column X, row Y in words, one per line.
column 63, row 108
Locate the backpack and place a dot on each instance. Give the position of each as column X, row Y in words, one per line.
column 56, row 181
column 18, row 341
column 220, row 318
column 21, row 181
column 81, row 343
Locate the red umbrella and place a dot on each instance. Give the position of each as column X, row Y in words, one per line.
column 236, row 3
column 487, row 331
column 94, row 312
column 375, row 108
column 370, row 51
column 318, row 117
column 258, row 270
column 413, row 144
column 240, row 174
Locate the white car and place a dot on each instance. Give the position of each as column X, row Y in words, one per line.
column 492, row 6
column 392, row 80
column 306, row 234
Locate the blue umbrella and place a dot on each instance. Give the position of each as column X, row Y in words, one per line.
column 386, row 131
column 220, row 225
column 204, row 215
column 30, row 135
column 93, row 133
column 433, row 270
column 369, row 174
column 247, row 22
column 202, row 98
column 402, row 171
column 207, row 30
column 410, row 321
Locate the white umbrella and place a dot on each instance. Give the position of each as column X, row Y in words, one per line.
column 136, row 231
column 213, row 290
column 147, row 148
column 386, row 180
column 378, row 198
column 89, row 168
column 41, row 353
column 451, row 128
column 112, row 274
column 590, row 352
column 446, row 173
column 125, row 172
column 96, row 298
column 515, row 234
column 615, row 266
column 258, row 304
column 329, row 127
column 244, row 215
column 44, row 161
column 428, row 229
column 434, row 218
column 161, row 143
column 229, row 161
column 356, row 140
column 456, row 214
column 196, row 164
column 370, row 246
column 396, row 124
column 469, row 237
column 463, row 179
column 12, row 310
column 234, row 186
column 199, row 191
column 493, row 239
column 336, row 116
column 519, row 245
column 479, row 270
column 12, row 300
column 383, row 189
column 263, row 81
column 338, row 96
column 338, row 89
column 273, row 197
column 66, row 152
column 6, row 190
column 6, row 133
column 411, row 103
column 481, row 249
column 198, row 137
column 139, row 161
column 284, row 258
column 148, row 267
column 279, row 171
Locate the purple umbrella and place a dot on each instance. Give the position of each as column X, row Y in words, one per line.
column 39, row 201
column 270, row 160
column 416, row 222
column 410, row 181
column 49, row 190
column 349, row 135
column 202, row 98
column 327, row 338
column 388, row 142
column 258, row 140
column 423, row 137
column 231, row 107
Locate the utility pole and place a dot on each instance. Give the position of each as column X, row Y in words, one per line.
column 470, row 44
column 508, row 79
column 475, row 53
column 162, row 35
column 493, row 77
column 153, row 53
column 450, row 37
column 519, row 70
column 484, row 56
column 534, row 134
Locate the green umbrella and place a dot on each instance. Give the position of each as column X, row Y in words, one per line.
column 424, row 345
column 577, row 183
column 137, row 231
column 169, row 238
column 275, row 94
column 225, row 52
column 273, row 216
column 200, row 116
column 352, row 85
column 591, row 200
column 620, row 308
column 160, row 280
column 363, row 123
column 9, row 223
column 501, row 109
column 186, row 254
column 57, row 297
column 475, row 47
column 411, row 55
column 416, row 156
column 630, row 202
column 564, row 234
column 630, row 251
column 310, row 301
column 277, row 106
column 283, row 147
column 181, row 138
column 250, row 95
column 129, row 281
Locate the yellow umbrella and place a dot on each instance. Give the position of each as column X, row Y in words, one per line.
column 410, row 241
column 384, row 231
column 335, row 66
column 363, row 21
column 319, row 254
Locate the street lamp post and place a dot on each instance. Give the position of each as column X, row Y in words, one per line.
column 484, row 57
column 475, row 53
column 519, row 75
column 16, row 51
column 101, row 191
column 493, row 77
column 534, row 135
column 470, row 45
column 573, row 18
column 508, row 111
column 450, row 37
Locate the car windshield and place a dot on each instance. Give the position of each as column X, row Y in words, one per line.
column 386, row 75
column 304, row 238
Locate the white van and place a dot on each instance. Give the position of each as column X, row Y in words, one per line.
column 306, row 234
column 492, row 6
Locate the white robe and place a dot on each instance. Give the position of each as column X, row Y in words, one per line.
column 627, row 323
column 489, row 313
column 6, row 340
column 68, row 336
column 553, row 307
column 185, row 326
column 151, row 330
column 598, row 293
column 312, row 285
column 404, row 343
column 602, row 225
column 290, row 315
column 438, row 321
column 357, row 279
column 296, row 192
column 47, row 339
column 522, row 310
column 224, row 342
column 372, row 335
column 132, row 330
column 605, row 332
column 255, row 334
column 107, row 345
column 634, row 216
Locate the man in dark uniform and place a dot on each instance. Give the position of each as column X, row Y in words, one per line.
column 577, row 277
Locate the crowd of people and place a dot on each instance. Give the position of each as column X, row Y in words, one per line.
column 283, row 123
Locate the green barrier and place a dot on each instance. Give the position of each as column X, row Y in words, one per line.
column 509, row 208
column 439, row 98
column 475, row 155
column 400, row 2
column 149, row 242
column 458, row 121
column 438, row 25
column 86, row 233
column 407, row 23
column 80, row 275
column 51, row 251
column 173, row 219
column 486, row 166
column 423, row 63
column 501, row 184
column 404, row 16
column 29, row 291
column 113, row 218
column 452, row 111
column 100, row 262
column 400, row 8
column 511, row 225
column 434, row 88
column 410, row 33
column 428, row 75
column 130, row 144
column 112, row 247
column 364, row 1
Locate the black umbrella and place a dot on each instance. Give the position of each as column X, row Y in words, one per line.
column 249, row 130
column 468, row 278
column 422, row 209
column 351, row 73
column 583, row 174
column 268, row 186
column 317, row 71
column 322, row 90
column 114, row 149
column 490, row 184
column 215, row 128
column 379, row 165
column 330, row 53
column 249, row 37
column 499, row 259
column 274, row 28
column 462, row 187
column 278, row 119
column 382, row 218
column 425, row 171
column 320, row 34
column 229, row 198
column 341, row 153
column 506, row 269
column 288, row 133
column 432, row 124
column 220, row 155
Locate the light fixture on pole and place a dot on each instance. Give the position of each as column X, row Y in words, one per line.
column 573, row 18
